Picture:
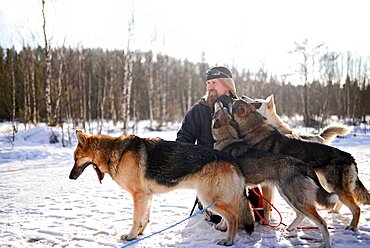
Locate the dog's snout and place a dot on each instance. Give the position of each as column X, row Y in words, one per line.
column 73, row 175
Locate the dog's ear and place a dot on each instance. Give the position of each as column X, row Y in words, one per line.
column 271, row 102
column 256, row 105
column 218, row 105
column 247, row 99
column 81, row 137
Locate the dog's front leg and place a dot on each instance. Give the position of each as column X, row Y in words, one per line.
column 142, row 202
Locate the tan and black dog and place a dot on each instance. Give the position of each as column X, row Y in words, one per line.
column 296, row 182
column 336, row 169
column 145, row 167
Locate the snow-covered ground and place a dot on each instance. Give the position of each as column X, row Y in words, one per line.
column 41, row 207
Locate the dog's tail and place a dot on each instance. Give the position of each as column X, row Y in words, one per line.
column 326, row 199
column 361, row 194
column 247, row 216
column 333, row 130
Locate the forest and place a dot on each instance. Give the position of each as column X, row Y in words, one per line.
column 80, row 85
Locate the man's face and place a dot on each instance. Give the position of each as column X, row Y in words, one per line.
column 215, row 88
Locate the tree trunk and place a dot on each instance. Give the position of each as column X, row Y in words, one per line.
column 102, row 102
column 58, row 112
column 164, row 92
column 12, row 64
column 111, row 92
column 47, row 53
column 34, row 111
column 306, row 106
column 190, row 83
column 127, row 91
column 89, row 109
column 26, row 104
column 150, row 94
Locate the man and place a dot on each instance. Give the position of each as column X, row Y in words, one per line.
column 196, row 126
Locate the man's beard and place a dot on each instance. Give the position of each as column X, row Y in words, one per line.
column 213, row 96
column 211, row 100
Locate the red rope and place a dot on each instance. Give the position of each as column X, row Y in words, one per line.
column 263, row 219
column 281, row 218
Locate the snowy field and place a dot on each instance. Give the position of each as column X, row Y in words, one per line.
column 41, row 207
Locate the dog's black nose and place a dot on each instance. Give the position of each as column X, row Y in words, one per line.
column 73, row 175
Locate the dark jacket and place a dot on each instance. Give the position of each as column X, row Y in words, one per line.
column 196, row 126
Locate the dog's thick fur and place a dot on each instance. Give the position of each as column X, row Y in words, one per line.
column 145, row 167
column 267, row 108
column 296, row 182
column 336, row 169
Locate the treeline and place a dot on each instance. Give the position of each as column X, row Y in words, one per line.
column 81, row 85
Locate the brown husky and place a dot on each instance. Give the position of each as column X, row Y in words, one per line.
column 266, row 107
column 145, row 167
column 296, row 182
column 336, row 169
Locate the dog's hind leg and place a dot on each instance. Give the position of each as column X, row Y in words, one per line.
column 295, row 222
column 349, row 201
column 141, row 215
column 310, row 212
column 231, row 218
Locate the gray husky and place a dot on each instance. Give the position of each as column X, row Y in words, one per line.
column 336, row 169
column 296, row 182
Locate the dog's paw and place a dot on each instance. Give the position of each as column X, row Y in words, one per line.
column 128, row 237
column 264, row 222
column 333, row 211
column 351, row 228
column 222, row 226
column 325, row 246
column 226, row 242
column 289, row 234
column 289, row 230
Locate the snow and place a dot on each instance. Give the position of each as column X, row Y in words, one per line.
column 41, row 207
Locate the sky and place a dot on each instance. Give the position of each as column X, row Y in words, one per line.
column 246, row 34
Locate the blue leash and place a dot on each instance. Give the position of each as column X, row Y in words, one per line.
column 138, row 240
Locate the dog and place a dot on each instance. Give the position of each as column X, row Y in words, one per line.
column 145, row 167
column 296, row 182
column 336, row 169
column 267, row 108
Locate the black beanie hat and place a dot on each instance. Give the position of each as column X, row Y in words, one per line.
column 218, row 72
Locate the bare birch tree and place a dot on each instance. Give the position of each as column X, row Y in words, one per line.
column 127, row 91
column 58, row 112
column 128, row 61
column 26, row 87
column 35, row 112
column 101, row 101
column 13, row 84
column 112, row 82
column 189, row 101
column 47, row 54
column 149, row 58
column 302, row 49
